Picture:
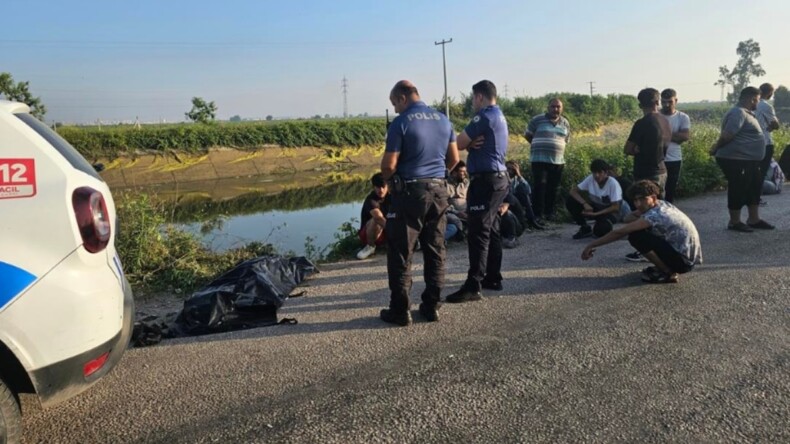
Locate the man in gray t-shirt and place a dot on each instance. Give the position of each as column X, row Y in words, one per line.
column 739, row 151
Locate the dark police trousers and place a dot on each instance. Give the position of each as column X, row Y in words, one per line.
column 416, row 212
column 486, row 193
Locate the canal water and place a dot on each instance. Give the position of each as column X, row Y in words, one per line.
column 282, row 210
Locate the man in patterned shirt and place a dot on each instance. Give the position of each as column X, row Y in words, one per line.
column 660, row 232
column 547, row 134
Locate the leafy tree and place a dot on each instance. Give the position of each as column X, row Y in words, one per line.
column 236, row 118
column 202, row 111
column 269, row 117
column 782, row 97
column 19, row 92
column 748, row 51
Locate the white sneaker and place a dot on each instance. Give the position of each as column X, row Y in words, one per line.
column 366, row 252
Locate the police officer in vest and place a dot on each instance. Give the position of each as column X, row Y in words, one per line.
column 487, row 191
column 420, row 149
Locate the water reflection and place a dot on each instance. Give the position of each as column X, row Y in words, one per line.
column 286, row 230
column 281, row 210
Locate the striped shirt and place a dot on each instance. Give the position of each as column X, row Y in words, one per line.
column 548, row 139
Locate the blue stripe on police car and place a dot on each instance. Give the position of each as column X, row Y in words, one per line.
column 12, row 281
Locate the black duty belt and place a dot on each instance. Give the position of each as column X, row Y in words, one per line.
column 426, row 180
column 488, row 174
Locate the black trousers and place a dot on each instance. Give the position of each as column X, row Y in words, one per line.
column 547, row 178
column 673, row 177
column 644, row 242
column 417, row 212
column 744, row 183
column 766, row 162
column 510, row 226
column 575, row 209
column 486, row 193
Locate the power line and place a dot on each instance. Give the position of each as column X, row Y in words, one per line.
column 344, row 85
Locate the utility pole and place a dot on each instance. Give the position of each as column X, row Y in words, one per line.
column 444, row 68
column 592, row 88
column 344, row 85
column 506, row 90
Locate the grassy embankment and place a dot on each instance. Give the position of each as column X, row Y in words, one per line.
column 168, row 259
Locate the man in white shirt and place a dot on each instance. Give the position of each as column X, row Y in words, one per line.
column 598, row 197
column 766, row 116
column 681, row 131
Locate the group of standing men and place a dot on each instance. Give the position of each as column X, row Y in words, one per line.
column 422, row 146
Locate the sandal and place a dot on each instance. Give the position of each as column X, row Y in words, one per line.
column 740, row 226
column 761, row 225
column 659, row 277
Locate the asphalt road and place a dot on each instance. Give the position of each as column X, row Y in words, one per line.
column 569, row 351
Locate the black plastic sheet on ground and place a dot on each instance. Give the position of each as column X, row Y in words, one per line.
column 247, row 296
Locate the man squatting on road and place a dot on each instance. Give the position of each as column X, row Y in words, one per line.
column 663, row 234
column 485, row 137
column 420, row 149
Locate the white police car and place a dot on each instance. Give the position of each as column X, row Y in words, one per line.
column 66, row 309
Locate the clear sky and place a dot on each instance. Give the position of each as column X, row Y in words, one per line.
column 115, row 60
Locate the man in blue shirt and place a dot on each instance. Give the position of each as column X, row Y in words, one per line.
column 486, row 138
column 420, row 149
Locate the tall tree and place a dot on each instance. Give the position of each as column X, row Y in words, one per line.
column 202, row 111
column 782, row 97
column 20, row 92
column 746, row 67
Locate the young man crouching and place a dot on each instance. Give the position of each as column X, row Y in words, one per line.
column 661, row 232
column 373, row 219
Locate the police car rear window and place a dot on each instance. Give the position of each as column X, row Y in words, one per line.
column 64, row 148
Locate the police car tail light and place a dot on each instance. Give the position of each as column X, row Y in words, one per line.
column 93, row 219
column 95, row 365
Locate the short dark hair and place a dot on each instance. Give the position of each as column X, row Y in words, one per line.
column 599, row 165
column 404, row 89
column 486, row 88
column 648, row 97
column 668, row 93
column 378, row 180
column 766, row 89
column 643, row 188
column 460, row 164
column 749, row 91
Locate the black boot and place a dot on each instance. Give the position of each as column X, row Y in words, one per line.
column 391, row 317
column 535, row 224
column 465, row 294
column 429, row 312
column 491, row 284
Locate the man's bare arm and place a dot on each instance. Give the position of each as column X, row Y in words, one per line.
column 529, row 137
column 681, row 136
column 452, row 158
column 630, row 148
column 389, row 163
column 724, row 139
column 463, row 141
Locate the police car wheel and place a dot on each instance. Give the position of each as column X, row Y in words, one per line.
column 9, row 416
